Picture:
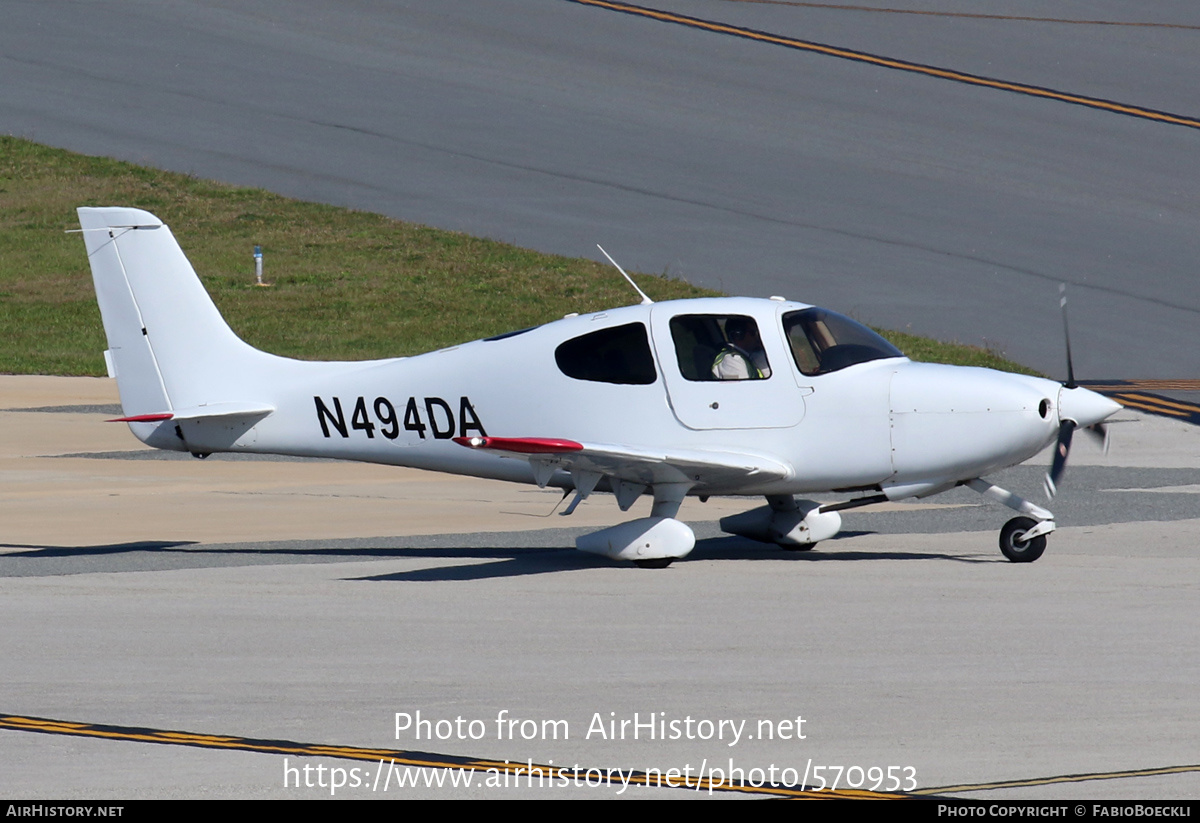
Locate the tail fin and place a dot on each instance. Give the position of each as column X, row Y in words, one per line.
column 167, row 343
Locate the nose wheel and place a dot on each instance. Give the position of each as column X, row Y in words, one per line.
column 1016, row 546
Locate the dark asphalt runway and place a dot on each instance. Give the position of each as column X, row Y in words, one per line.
column 908, row 200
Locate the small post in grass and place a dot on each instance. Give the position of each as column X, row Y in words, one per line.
column 258, row 264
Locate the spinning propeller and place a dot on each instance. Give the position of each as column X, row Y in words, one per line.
column 1076, row 407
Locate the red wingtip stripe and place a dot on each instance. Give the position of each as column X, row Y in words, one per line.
column 142, row 418
column 522, row 445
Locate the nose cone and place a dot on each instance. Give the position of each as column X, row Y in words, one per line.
column 1084, row 407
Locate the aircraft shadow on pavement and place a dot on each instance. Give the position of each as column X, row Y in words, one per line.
column 737, row 548
column 91, row 551
column 168, row 556
column 519, row 562
column 507, row 561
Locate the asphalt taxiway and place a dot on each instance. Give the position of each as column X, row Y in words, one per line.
column 756, row 150
column 265, row 613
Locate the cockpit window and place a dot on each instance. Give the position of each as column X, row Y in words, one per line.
column 620, row 354
column 823, row 341
column 719, row 347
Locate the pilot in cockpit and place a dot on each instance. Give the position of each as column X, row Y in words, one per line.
column 742, row 357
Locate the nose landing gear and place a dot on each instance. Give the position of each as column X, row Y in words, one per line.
column 1023, row 539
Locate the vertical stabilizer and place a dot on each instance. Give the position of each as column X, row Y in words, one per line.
column 168, row 344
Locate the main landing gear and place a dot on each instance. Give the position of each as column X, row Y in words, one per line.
column 795, row 525
column 650, row 542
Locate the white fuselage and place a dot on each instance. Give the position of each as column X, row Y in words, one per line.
column 903, row 426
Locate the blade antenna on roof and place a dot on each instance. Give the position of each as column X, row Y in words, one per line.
column 645, row 299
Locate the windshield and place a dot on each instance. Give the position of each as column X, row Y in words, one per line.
column 823, row 341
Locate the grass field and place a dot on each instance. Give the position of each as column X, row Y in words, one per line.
column 345, row 284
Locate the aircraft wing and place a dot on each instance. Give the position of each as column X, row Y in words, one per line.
column 588, row 462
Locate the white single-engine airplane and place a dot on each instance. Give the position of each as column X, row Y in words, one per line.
column 712, row 396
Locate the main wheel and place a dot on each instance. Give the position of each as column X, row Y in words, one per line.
column 1014, row 545
column 797, row 547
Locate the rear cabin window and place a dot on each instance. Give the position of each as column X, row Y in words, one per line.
column 620, row 354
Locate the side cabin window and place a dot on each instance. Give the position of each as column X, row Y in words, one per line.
column 620, row 354
column 823, row 341
column 719, row 347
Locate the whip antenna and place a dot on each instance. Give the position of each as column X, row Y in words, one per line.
column 645, row 299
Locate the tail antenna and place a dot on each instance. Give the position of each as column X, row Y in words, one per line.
column 645, row 300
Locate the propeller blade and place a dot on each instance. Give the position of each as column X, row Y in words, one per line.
column 1099, row 433
column 1076, row 406
column 1062, row 304
column 1061, row 449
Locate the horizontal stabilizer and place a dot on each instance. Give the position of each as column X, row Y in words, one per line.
column 157, row 417
column 212, row 411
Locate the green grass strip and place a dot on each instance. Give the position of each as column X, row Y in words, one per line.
column 345, row 285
